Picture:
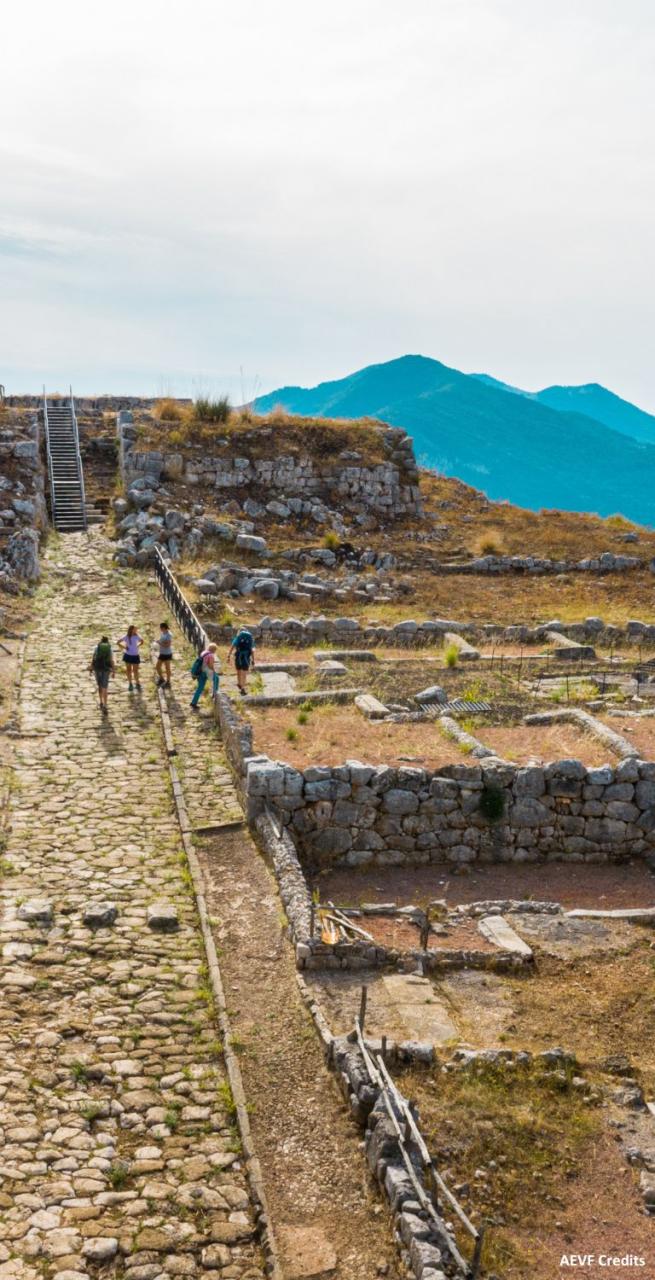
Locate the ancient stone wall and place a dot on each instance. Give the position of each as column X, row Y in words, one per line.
column 23, row 511
column 350, row 633
column 356, row 814
column 389, row 488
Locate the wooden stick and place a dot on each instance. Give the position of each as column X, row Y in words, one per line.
column 362, row 1008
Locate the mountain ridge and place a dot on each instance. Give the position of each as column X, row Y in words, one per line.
column 510, row 443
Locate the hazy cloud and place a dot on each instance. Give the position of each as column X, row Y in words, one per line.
column 299, row 189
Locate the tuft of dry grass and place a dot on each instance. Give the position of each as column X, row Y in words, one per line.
column 489, row 543
column 169, row 410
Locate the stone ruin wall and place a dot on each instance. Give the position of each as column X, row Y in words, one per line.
column 389, row 488
column 357, row 814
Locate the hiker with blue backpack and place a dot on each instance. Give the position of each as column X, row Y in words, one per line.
column 243, row 649
column 204, row 667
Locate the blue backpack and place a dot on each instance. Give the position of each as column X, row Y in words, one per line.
column 196, row 669
column 243, row 645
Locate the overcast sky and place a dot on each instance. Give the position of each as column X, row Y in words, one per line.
column 235, row 196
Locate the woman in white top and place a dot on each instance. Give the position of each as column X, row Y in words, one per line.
column 130, row 644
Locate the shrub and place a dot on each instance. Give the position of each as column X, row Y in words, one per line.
column 208, row 410
column 451, row 654
column 302, row 717
column 168, row 410
column 292, row 735
column 331, row 540
column 489, row 543
column 492, row 802
column 618, row 521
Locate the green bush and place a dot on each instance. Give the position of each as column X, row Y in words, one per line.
column 331, row 540
column 208, row 410
column 451, row 654
column 492, row 802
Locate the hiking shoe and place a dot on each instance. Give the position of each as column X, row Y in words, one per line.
column 194, row 706
column 167, row 684
column 243, row 692
column 160, row 683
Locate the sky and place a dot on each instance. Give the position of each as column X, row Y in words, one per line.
column 214, row 197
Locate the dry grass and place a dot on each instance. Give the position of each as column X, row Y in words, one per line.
column 537, row 1163
column 521, row 743
column 250, row 433
column 470, row 518
column 332, row 734
column 609, row 1002
column 169, row 410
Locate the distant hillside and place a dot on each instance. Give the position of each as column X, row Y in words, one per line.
column 510, row 444
column 599, row 403
column 593, row 401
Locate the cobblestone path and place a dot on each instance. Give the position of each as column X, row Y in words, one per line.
column 117, row 1151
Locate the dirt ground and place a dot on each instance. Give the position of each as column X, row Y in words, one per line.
column 573, row 884
column 542, row 743
column 314, row 1172
column 641, row 733
column 333, row 734
column 405, row 936
column 541, row 1168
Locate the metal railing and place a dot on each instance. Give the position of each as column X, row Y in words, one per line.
column 78, row 456
column 46, row 429
column 174, row 596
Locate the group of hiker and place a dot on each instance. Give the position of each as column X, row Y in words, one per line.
column 103, row 666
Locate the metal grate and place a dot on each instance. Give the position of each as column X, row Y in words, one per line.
column 459, row 706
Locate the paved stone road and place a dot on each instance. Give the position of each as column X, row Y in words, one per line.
column 117, row 1151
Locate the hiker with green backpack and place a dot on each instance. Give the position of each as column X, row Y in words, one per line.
column 102, row 665
column 243, row 648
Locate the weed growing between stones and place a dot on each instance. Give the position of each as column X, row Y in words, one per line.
column 450, row 656
column 226, row 1099
column 492, row 803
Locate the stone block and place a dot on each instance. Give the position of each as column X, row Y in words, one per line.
column 398, row 801
column 38, row 911
column 99, row 915
column 530, row 781
column 162, row 917
column 249, row 542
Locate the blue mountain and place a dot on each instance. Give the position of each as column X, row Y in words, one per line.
column 591, row 399
column 509, row 443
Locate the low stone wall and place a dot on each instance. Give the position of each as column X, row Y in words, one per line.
column 351, row 634
column 606, row 562
column 356, row 814
column 236, row 735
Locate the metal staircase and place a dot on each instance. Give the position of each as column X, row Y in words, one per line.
column 64, row 464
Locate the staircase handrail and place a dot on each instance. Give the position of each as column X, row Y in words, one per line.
column 51, row 478
column 78, row 456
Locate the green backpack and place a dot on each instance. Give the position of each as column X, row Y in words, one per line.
column 196, row 669
column 102, row 657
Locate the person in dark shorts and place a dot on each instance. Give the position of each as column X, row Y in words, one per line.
column 130, row 644
column 102, row 665
column 243, row 649
column 165, row 646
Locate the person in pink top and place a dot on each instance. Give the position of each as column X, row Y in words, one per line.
column 206, row 663
column 130, row 644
